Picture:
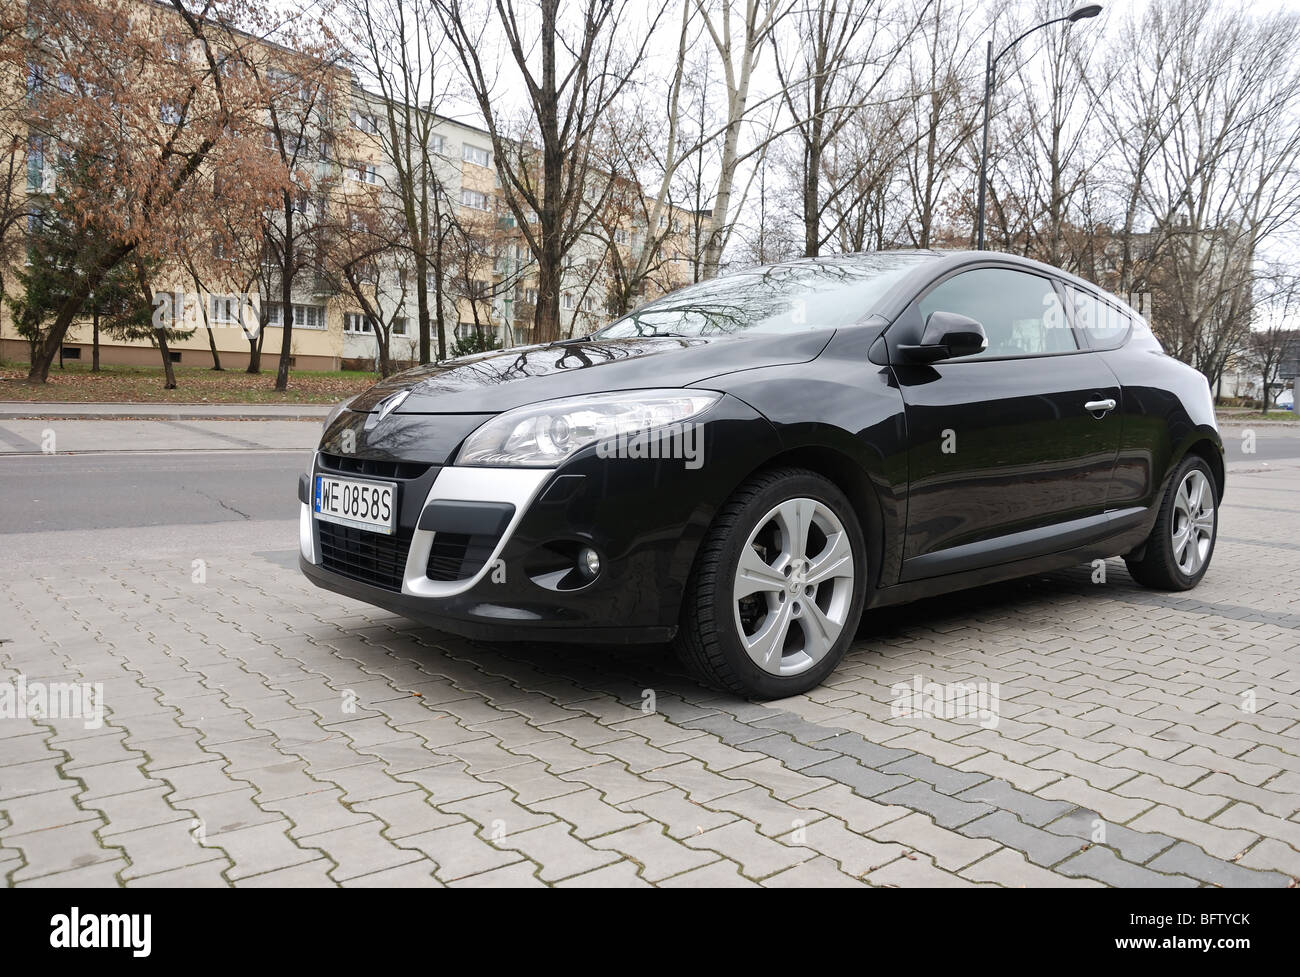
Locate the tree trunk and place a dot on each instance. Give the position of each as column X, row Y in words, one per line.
column 812, row 216
column 52, row 345
column 255, row 348
column 422, row 303
column 549, row 282
column 94, row 340
column 440, row 315
column 47, row 349
column 207, row 322
column 168, row 371
column 212, row 345
column 550, row 219
column 286, row 298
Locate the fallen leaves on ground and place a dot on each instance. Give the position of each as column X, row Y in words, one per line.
column 194, row 385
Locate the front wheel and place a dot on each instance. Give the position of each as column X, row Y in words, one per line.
column 1178, row 551
column 776, row 594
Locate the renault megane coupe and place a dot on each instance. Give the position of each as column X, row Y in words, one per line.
column 745, row 466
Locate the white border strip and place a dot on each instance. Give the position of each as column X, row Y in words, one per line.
column 518, row 486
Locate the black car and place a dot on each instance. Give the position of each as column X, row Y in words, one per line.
column 745, row 466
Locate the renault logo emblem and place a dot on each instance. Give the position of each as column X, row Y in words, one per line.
column 387, row 406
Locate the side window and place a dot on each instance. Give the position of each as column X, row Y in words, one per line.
column 1020, row 312
column 1105, row 325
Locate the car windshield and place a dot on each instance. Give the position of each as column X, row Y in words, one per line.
column 791, row 297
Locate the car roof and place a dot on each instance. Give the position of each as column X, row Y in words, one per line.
column 949, row 260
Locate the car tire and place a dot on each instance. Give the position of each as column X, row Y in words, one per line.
column 781, row 639
column 1178, row 551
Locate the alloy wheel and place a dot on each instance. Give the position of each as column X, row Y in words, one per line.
column 1192, row 526
column 794, row 586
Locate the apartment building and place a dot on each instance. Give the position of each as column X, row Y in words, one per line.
column 488, row 280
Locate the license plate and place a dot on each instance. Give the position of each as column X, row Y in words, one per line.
column 367, row 505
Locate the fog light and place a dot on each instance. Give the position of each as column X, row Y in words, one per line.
column 589, row 562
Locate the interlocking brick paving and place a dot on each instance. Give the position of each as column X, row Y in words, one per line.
column 259, row 731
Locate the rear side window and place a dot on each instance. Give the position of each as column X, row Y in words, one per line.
column 1021, row 313
column 1104, row 324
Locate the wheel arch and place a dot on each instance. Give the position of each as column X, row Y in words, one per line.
column 851, row 479
column 1209, row 448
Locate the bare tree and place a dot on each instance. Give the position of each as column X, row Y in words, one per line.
column 865, row 166
column 1047, row 150
column 831, row 58
column 1225, row 177
column 942, row 87
column 572, row 69
column 303, row 107
column 401, row 52
column 739, row 30
column 375, row 265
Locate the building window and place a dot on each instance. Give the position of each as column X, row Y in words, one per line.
column 399, row 326
column 472, row 154
column 36, row 164
column 474, row 199
column 309, row 316
column 363, row 172
column 437, row 144
column 358, row 323
column 304, row 316
column 464, row 330
column 620, row 236
column 530, row 296
column 174, row 355
column 568, row 300
column 71, row 353
column 366, row 123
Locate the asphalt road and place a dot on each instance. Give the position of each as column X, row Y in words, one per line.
column 193, row 490
column 114, row 491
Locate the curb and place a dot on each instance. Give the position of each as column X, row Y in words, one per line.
column 151, row 412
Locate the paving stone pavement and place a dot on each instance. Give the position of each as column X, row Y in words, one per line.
column 260, row 732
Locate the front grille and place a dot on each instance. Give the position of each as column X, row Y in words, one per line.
column 457, row 556
column 361, row 555
column 349, row 465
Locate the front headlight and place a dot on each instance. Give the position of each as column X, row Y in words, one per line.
column 543, row 435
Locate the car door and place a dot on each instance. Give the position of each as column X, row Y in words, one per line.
column 1011, row 450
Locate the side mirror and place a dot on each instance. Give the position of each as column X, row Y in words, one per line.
column 947, row 334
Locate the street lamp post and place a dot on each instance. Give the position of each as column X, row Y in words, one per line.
column 991, row 66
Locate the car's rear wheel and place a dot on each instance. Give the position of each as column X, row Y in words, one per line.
column 1178, row 551
column 776, row 593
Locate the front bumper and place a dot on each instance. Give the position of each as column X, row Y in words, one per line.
column 481, row 552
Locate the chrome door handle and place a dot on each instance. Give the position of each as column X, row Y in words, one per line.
column 1099, row 405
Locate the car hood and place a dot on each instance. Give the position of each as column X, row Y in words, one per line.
column 492, row 382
